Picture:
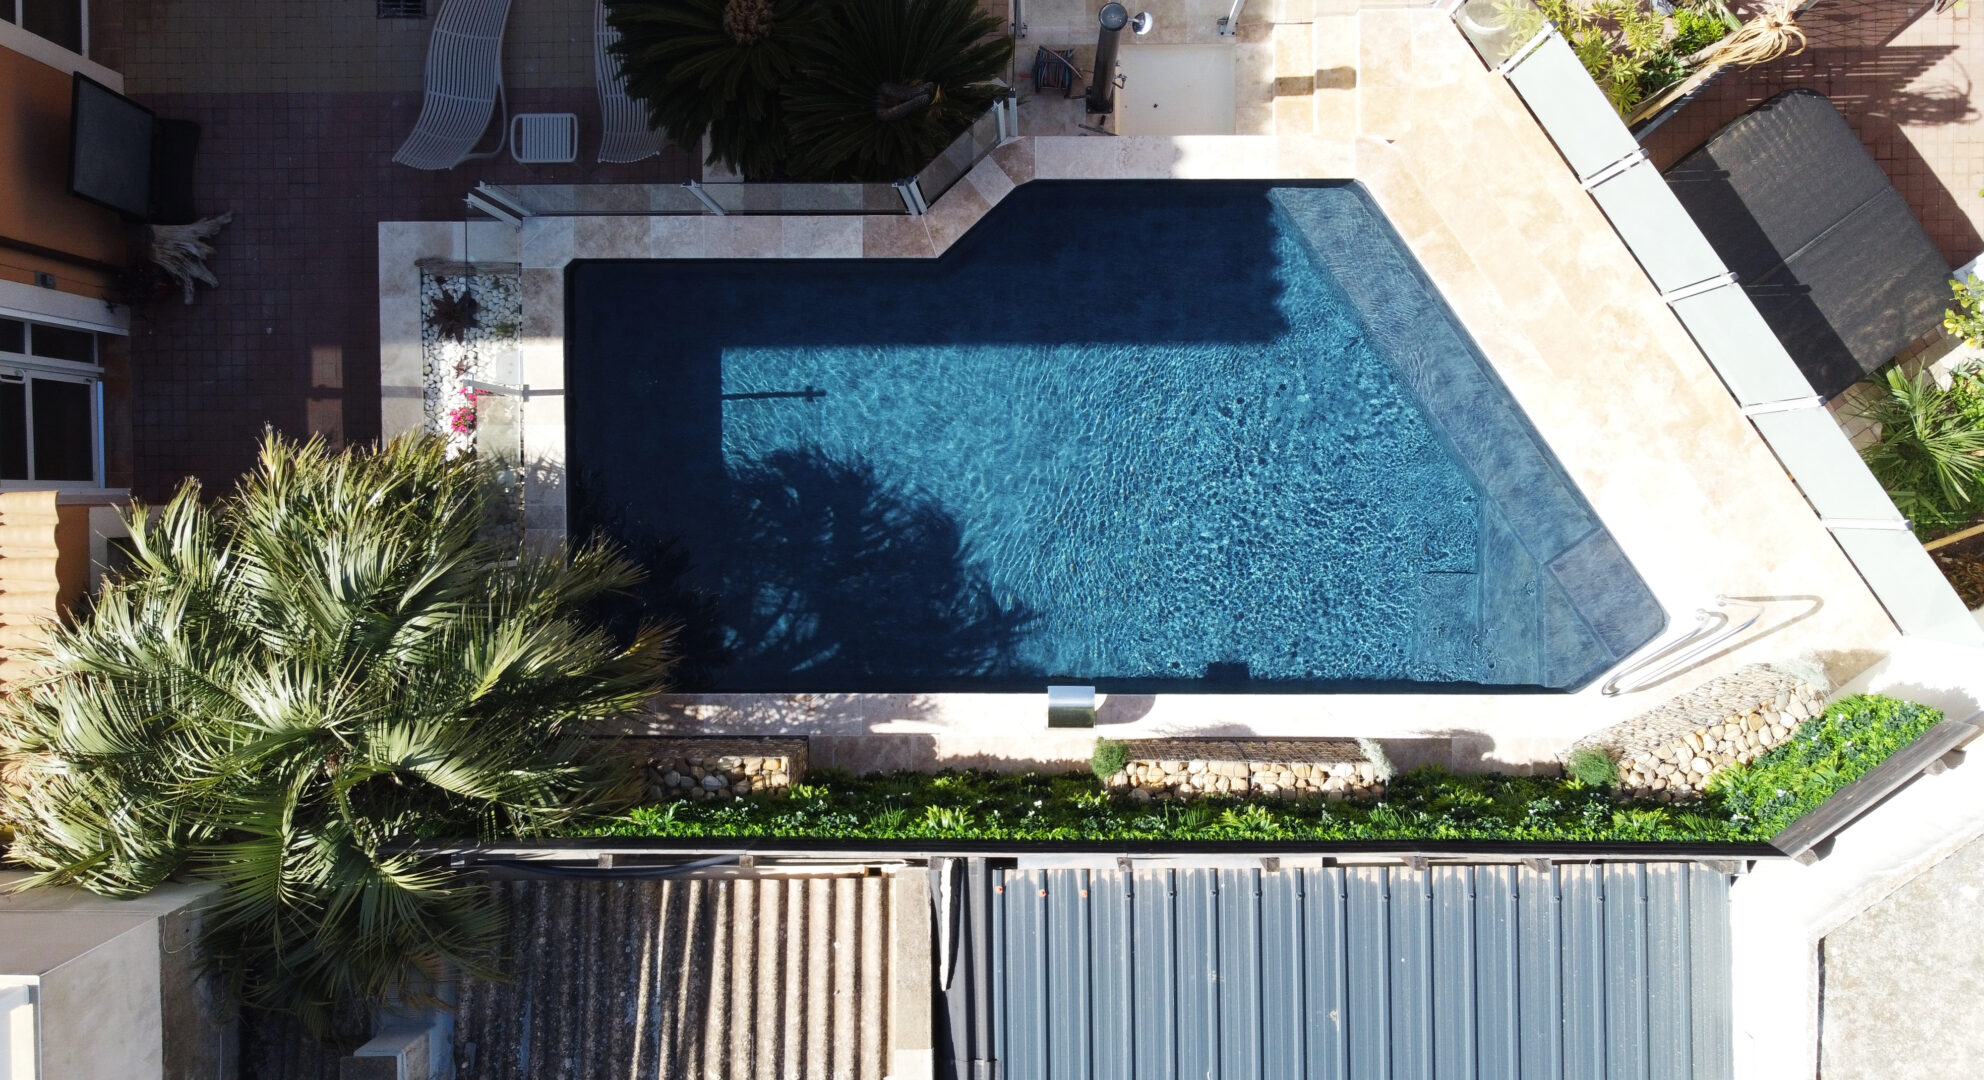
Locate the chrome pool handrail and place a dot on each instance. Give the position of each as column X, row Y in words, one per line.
column 1711, row 629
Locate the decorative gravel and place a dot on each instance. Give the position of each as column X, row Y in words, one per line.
column 486, row 352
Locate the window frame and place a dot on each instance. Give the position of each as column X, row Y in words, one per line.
column 24, row 369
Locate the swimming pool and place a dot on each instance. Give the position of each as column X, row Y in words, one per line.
column 1153, row 436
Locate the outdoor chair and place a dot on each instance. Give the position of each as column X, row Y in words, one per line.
column 624, row 133
column 464, row 85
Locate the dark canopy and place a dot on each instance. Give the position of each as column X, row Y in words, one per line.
column 1822, row 242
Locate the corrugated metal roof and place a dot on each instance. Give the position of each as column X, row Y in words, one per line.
column 1475, row 972
column 696, row 977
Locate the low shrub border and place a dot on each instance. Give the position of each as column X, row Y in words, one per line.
column 1747, row 804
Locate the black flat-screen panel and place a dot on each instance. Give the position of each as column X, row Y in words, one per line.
column 110, row 148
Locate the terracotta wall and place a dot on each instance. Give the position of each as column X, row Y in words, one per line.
column 35, row 205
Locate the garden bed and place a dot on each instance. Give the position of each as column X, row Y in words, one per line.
column 1749, row 803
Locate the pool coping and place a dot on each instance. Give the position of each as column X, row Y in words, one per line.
column 1429, row 120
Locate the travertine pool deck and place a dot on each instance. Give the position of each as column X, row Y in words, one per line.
column 1574, row 329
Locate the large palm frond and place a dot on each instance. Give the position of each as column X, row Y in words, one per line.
column 890, row 84
column 714, row 67
column 294, row 684
column 1930, row 458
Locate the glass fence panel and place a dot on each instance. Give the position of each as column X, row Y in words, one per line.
column 499, row 432
column 749, row 198
column 965, row 151
column 1498, row 29
column 1571, row 109
column 1825, row 465
column 1741, row 346
column 1652, row 222
column 1905, row 579
column 601, row 199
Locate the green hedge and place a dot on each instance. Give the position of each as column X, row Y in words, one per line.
column 1749, row 803
column 1826, row 754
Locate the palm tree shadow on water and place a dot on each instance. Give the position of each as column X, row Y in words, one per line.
column 819, row 576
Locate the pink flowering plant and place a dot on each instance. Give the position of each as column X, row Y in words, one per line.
column 461, row 418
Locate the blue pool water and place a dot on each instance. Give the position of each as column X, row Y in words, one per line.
column 1143, row 435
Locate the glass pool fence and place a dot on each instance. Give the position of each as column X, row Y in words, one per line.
column 1514, row 38
column 912, row 195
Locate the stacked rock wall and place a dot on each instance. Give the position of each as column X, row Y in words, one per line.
column 1672, row 752
column 723, row 768
column 1270, row 768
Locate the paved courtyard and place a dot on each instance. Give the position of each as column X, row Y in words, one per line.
column 1903, row 981
column 1903, row 74
column 301, row 106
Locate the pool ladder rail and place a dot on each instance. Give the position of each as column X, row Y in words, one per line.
column 1712, row 628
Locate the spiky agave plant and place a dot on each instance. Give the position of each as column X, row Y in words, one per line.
column 889, row 84
column 290, row 686
column 1930, row 456
column 715, row 67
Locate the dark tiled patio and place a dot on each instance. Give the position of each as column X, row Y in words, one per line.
column 291, row 336
column 1900, row 72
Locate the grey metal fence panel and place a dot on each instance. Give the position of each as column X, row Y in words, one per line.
column 1325, row 969
column 1709, row 1025
column 1541, row 1018
column 1239, row 1033
column 1199, row 961
column 1112, row 971
column 1825, row 465
column 1454, row 966
column 1571, row 109
column 1625, row 970
column 1670, row 1044
column 1645, row 213
column 1284, row 1005
column 1916, row 595
column 1367, row 928
column 1741, row 346
column 1068, row 968
column 1456, row 973
column 1496, row 987
column 1154, row 916
column 1583, row 950
column 1411, row 976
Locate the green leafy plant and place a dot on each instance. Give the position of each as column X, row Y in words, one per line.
column 1966, row 319
column 1109, row 758
column 889, row 84
column 812, row 89
column 1930, row 456
column 716, row 68
column 1423, row 804
column 291, row 686
column 1592, row 767
column 1827, row 753
column 1696, row 29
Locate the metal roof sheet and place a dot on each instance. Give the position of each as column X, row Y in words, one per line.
column 1466, row 972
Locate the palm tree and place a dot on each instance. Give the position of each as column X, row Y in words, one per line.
column 889, row 84
column 715, row 67
column 1930, row 457
column 292, row 685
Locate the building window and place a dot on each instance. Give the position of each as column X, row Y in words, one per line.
column 60, row 21
column 50, row 405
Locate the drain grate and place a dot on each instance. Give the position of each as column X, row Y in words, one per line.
column 402, row 9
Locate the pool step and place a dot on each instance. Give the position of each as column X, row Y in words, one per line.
column 1512, row 587
column 1446, row 628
